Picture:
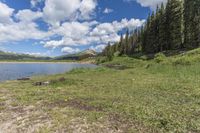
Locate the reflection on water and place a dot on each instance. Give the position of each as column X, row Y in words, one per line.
column 11, row 71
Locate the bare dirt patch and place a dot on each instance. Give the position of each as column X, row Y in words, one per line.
column 21, row 119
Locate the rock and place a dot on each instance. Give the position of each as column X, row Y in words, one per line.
column 41, row 83
column 61, row 79
column 46, row 83
column 37, row 84
column 23, row 79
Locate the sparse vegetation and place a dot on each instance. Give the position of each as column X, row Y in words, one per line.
column 145, row 96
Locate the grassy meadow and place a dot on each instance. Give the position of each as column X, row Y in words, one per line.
column 130, row 95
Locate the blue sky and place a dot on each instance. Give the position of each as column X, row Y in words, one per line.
column 57, row 27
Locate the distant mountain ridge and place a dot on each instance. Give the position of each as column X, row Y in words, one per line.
column 13, row 56
column 78, row 56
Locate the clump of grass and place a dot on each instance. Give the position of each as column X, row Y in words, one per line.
column 160, row 57
column 79, row 70
column 182, row 61
column 144, row 57
column 148, row 96
column 101, row 60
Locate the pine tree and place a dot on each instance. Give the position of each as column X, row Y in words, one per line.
column 191, row 23
column 121, row 45
column 174, row 21
column 187, row 23
column 196, row 20
column 144, row 37
column 109, row 52
column 167, row 29
column 151, row 35
column 126, row 43
column 162, row 29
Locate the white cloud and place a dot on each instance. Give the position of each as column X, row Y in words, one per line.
column 107, row 10
column 70, row 50
column 114, row 27
column 86, row 9
column 28, row 15
column 63, row 17
column 56, row 11
column 149, row 3
column 89, row 33
column 37, row 54
column 5, row 13
column 98, row 48
column 53, row 44
column 34, row 3
column 21, row 31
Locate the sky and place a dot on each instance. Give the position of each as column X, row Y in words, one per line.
column 58, row 27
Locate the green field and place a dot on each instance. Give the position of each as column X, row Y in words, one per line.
column 133, row 95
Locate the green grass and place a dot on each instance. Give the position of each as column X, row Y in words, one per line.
column 146, row 97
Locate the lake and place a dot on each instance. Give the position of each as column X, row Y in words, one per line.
column 13, row 71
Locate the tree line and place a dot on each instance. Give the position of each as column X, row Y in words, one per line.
column 173, row 26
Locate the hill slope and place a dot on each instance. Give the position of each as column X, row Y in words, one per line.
column 78, row 56
column 13, row 56
column 146, row 96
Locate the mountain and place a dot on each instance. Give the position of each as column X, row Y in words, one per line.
column 78, row 56
column 13, row 56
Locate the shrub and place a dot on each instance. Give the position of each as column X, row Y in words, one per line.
column 182, row 61
column 144, row 57
column 116, row 54
column 101, row 60
column 160, row 57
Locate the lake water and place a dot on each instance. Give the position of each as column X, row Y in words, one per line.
column 12, row 71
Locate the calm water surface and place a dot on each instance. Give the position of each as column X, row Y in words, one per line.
column 12, row 71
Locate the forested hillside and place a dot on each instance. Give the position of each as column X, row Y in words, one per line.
column 173, row 26
column 12, row 56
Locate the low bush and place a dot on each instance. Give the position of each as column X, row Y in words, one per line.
column 101, row 60
column 160, row 57
column 182, row 61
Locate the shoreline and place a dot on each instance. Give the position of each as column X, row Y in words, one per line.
column 28, row 62
column 35, row 62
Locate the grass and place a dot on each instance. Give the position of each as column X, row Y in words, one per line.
column 147, row 96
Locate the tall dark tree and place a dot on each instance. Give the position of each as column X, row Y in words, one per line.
column 121, row 45
column 173, row 27
column 192, row 23
column 174, row 19
column 126, row 43
column 162, row 29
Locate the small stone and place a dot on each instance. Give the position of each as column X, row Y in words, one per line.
column 62, row 79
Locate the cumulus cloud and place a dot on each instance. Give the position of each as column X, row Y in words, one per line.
column 5, row 13
column 28, row 15
column 77, row 34
column 70, row 50
column 107, row 10
column 37, row 54
column 98, row 48
column 114, row 27
column 149, row 3
column 56, row 11
column 87, row 8
column 63, row 18
column 35, row 3
column 21, row 31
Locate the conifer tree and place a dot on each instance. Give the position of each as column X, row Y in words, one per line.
column 126, row 43
column 109, row 52
column 167, row 29
column 162, row 29
column 174, row 24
